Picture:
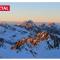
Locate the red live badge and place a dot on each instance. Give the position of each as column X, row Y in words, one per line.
column 4, row 7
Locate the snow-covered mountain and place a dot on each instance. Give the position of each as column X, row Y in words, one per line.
column 11, row 33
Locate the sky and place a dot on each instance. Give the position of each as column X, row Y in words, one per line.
column 36, row 11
